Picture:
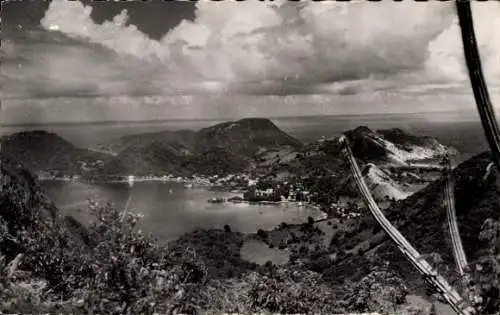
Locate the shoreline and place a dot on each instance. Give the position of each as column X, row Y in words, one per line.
column 324, row 215
column 204, row 184
column 125, row 181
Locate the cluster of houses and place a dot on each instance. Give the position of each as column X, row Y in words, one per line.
column 346, row 213
column 91, row 165
column 283, row 192
column 54, row 175
column 346, row 208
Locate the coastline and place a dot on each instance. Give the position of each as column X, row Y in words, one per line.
column 198, row 182
column 124, row 180
column 324, row 216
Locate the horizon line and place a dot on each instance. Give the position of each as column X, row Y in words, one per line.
column 111, row 122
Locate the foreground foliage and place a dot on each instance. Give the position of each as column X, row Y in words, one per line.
column 52, row 264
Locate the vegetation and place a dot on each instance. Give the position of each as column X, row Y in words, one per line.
column 41, row 151
column 225, row 148
column 52, row 264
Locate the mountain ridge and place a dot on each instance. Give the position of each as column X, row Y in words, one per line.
column 226, row 147
column 230, row 147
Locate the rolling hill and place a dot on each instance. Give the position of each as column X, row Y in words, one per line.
column 220, row 149
column 42, row 151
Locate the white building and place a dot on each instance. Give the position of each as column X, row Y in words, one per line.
column 252, row 182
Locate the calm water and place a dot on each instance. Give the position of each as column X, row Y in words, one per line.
column 169, row 215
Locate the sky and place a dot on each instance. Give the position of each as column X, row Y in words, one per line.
column 74, row 61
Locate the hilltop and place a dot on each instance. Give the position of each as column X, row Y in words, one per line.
column 245, row 137
column 42, row 151
column 393, row 170
column 221, row 149
column 394, row 146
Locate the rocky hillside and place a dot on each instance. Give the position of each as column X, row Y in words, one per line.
column 392, row 170
column 394, row 146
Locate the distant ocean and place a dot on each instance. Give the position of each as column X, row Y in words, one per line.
column 461, row 130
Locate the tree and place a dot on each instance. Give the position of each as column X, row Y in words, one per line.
column 433, row 310
column 227, row 228
column 310, row 220
column 262, row 234
column 123, row 271
column 486, row 272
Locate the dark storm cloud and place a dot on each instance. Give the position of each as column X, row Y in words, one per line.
column 154, row 19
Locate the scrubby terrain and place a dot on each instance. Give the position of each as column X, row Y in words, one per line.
column 51, row 263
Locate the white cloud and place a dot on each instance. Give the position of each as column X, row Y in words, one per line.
column 313, row 42
column 331, row 52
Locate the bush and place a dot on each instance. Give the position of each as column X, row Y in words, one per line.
column 310, row 220
column 292, row 292
column 227, row 228
column 268, row 264
column 262, row 234
column 283, row 225
column 303, row 249
column 124, row 271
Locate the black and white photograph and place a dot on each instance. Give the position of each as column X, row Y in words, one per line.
column 250, row 157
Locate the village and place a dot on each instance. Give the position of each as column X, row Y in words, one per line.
column 254, row 189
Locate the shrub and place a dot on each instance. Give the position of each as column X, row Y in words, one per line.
column 124, row 271
column 310, row 220
column 262, row 234
column 303, row 249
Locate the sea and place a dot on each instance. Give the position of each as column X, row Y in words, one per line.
column 171, row 210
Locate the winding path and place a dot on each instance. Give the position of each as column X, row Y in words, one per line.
column 458, row 248
column 431, row 276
